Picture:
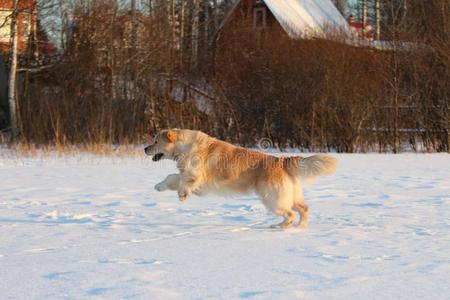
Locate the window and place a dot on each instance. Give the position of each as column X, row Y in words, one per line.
column 5, row 25
column 260, row 17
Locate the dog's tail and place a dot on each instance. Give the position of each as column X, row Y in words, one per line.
column 310, row 167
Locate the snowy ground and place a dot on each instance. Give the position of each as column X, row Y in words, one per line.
column 94, row 228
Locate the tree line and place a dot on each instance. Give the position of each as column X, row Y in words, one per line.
column 124, row 72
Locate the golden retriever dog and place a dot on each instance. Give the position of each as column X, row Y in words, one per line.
column 210, row 165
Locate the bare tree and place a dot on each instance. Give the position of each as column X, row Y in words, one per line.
column 195, row 33
column 133, row 27
column 345, row 98
column 378, row 19
column 364, row 15
column 13, row 72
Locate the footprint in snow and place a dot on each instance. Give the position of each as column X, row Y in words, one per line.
column 251, row 294
column 383, row 196
column 238, row 207
column 98, row 291
column 56, row 275
column 112, row 204
column 235, row 218
column 426, row 186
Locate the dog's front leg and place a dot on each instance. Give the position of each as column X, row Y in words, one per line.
column 171, row 182
column 189, row 183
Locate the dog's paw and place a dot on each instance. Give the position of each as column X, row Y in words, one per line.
column 281, row 226
column 302, row 224
column 161, row 187
column 182, row 197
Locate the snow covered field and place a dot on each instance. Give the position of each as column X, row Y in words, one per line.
column 94, row 228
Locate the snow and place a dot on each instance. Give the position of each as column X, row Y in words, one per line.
column 307, row 18
column 85, row 227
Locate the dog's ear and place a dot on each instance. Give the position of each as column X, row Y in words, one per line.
column 171, row 136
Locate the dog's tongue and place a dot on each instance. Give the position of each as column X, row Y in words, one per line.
column 157, row 156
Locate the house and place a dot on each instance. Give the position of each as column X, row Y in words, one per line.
column 27, row 26
column 295, row 18
column 300, row 19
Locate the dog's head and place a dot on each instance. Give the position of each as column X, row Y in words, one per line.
column 164, row 145
column 175, row 143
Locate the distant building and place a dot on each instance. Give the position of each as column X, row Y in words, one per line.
column 29, row 32
column 298, row 19
column 362, row 30
column 295, row 18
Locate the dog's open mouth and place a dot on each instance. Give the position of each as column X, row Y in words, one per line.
column 157, row 156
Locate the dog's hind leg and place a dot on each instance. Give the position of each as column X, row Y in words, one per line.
column 284, row 203
column 278, row 198
column 170, row 183
column 303, row 210
column 299, row 203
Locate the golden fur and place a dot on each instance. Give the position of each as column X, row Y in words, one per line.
column 210, row 165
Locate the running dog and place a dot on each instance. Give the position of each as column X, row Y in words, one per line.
column 207, row 165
